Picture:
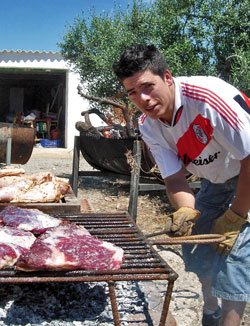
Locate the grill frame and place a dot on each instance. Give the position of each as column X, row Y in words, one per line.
column 142, row 262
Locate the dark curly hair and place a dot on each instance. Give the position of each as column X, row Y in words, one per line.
column 138, row 58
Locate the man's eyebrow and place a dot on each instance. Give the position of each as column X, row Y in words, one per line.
column 132, row 89
column 129, row 90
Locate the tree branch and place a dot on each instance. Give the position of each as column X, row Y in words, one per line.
column 98, row 99
column 124, row 108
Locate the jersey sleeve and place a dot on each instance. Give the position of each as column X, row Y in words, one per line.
column 231, row 121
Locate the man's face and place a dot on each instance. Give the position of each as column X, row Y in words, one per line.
column 151, row 94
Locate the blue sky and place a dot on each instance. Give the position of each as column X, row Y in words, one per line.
column 41, row 24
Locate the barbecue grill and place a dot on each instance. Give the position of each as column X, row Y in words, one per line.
column 141, row 263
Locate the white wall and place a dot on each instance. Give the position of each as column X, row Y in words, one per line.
column 75, row 104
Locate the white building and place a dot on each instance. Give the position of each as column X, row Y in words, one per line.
column 41, row 81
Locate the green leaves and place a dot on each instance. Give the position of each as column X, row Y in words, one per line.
column 198, row 37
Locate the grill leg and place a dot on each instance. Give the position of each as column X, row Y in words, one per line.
column 75, row 165
column 166, row 303
column 134, row 182
column 114, row 303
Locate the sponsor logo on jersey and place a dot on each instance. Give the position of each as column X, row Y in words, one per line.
column 200, row 160
column 200, row 134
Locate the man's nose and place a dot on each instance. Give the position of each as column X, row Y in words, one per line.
column 144, row 97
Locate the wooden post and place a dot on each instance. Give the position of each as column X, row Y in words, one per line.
column 134, row 181
column 75, row 165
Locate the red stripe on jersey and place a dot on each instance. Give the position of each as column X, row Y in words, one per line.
column 218, row 104
column 247, row 99
column 195, row 139
column 142, row 119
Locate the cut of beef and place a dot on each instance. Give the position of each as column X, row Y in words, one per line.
column 70, row 247
column 18, row 187
column 46, row 192
column 9, row 254
column 11, row 191
column 26, row 219
column 13, row 243
column 11, row 170
column 10, row 180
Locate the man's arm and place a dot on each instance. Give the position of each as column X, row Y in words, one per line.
column 232, row 221
column 178, row 190
column 241, row 203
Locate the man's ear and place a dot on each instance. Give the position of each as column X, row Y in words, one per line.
column 168, row 77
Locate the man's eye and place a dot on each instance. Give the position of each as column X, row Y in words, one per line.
column 131, row 93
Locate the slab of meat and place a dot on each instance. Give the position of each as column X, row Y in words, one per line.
column 9, row 254
column 70, row 247
column 10, row 180
column 10, row 192
column 46, row 192
column 18, row 187
column 64, row 184
column 26, row 219
column 42, row 177
column 11, row 170
column 13, row 243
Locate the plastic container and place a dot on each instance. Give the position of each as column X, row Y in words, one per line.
column 50, row 143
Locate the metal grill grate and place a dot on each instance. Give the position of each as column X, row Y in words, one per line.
column 142, row 262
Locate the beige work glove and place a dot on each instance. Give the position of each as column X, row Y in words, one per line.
column 229, row 225
column 180, row 223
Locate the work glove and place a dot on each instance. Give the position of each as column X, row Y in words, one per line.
column 180, row 223
column 229, row 225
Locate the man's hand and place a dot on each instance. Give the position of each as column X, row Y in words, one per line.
column 180, row 223
column 229, row 225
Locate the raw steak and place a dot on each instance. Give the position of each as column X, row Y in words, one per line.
column 32, row 220
column 9, row 254
column 70, row 247
column 13, row 243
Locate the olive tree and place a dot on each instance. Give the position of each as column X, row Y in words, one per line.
column 197, row 37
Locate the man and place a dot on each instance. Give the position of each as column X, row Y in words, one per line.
column 199, row 124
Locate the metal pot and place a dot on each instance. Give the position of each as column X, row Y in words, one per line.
column 16, row 143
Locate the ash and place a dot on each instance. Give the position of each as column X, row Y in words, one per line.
column 67, row 304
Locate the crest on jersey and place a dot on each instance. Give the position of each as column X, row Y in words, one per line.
column 200, row 134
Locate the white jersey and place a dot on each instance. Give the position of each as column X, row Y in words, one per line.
column 209, row 133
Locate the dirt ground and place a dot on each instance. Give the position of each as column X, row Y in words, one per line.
column 111, row 194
